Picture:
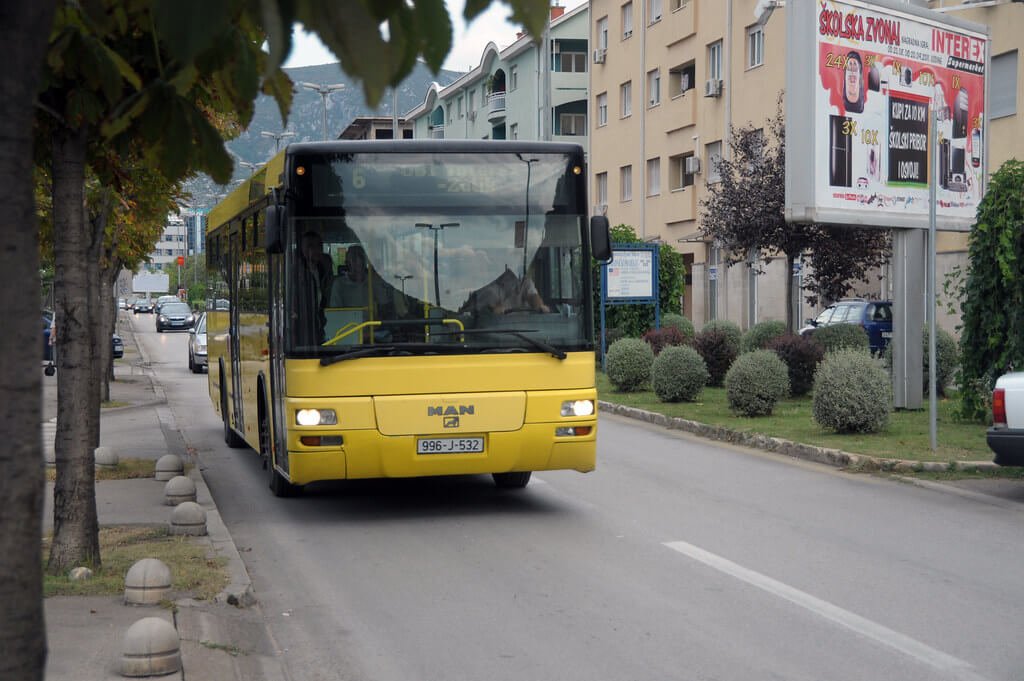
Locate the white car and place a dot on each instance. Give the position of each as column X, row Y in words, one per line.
column 197, row 359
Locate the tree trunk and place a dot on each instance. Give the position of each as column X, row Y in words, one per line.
column 103, row 300
column 75, row 525
column 24, row 29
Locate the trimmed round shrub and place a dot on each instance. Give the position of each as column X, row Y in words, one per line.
column 947, row 354
column 842, row 336
column 756, row 381
column 730, row 329
column 628, row 362
column 678, row 321
column 761, row 334
column 852, row 393
column 946, row 350
column 719, row 349
column 801, row 357
column 679, row 374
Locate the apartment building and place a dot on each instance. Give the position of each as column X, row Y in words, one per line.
column 524, row 91
column 671, row 78
column 173, row 242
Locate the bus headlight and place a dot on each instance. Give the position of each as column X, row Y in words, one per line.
column 577, row 408
column 316, row 417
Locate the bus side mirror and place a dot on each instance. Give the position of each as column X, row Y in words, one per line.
column 600, row 238
column 274, row 219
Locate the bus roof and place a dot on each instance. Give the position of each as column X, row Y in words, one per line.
column 421, row 146
column 254, row 187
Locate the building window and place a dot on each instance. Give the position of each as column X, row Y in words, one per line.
column 571, row 62
column 513, row 78
column 458, row 107
column 755, row 46
column 602, row 109
column 713, row 152
column 627, row 20
column 654, row 87
column 572, row 124
column 675, row 5
column 513, row 131
column 679, row 178
column 626, row 183
column 626, row 96
column 653, row 11
column 653, row 176
column 471, row 103
column 681, row 79
column 1002, row 89
column 715, row 61
column 602, row 33
column 602, row 189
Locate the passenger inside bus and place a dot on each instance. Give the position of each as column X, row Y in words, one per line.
column 315, row 273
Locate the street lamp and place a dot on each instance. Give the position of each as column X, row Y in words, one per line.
column 251, row 166
column 436, row 229
column 277, row 137
column 323, row 90
column 402, row 278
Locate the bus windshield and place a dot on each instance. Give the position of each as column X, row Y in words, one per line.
column 417, row 253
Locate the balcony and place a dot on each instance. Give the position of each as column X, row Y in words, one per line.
column 496, row 107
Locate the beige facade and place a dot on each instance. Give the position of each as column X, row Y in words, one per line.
column 668, row 80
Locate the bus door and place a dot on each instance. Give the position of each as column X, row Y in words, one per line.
column 234, row 345
column 275, row 340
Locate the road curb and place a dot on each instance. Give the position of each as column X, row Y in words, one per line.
column 796, row 450
column 239, row 591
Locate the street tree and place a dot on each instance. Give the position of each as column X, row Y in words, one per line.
column 992, row 333
column 744, row 214
column 187, row 40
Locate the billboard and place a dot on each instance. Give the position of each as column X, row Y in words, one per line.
column 863, row 80
column 150, row 282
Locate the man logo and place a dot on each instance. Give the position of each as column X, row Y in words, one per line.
column 451, row 421
column 450, row 410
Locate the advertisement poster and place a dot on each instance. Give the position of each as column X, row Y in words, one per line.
column 880, row 75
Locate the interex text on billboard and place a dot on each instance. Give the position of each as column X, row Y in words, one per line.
column 878, row 75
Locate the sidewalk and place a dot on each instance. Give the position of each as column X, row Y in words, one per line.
column 84, row 634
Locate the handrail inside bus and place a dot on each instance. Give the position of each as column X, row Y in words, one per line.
column 349, row 329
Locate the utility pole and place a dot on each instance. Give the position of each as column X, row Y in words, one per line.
column 323, row 90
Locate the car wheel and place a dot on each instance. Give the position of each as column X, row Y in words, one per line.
column 191, row 363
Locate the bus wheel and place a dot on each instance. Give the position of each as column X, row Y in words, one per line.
column 277, row 482
column 514, row 480
column 231, row 438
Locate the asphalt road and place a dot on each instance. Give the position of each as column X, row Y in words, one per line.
column 676, row 559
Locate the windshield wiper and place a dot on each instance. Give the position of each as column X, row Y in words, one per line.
column 385, row 349
column 520, row 334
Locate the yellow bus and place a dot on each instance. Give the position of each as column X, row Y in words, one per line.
column 407, row 308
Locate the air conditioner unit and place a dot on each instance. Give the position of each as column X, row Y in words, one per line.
column 599, row 55
column 712, row 87
column 692, row 165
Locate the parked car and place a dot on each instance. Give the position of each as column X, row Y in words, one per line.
column 175, row 315
column 117, row 347
column 197, row 359
column 874, row 316
column 122, row 304
column 116, row 342
column 142, row 305
column 1006, row 436
column 163, row 300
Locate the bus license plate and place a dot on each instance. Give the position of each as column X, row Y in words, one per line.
column 450, row 445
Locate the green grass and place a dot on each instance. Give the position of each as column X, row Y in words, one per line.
column 192, row 571
column 906, row 438
column 126, row 469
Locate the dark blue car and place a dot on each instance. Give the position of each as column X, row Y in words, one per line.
column 874, row 316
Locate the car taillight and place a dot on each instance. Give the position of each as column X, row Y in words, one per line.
column 999, row 407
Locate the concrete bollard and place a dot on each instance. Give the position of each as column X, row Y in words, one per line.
column 150, row 647
column 105, row 458
column 168, row 466
column 147, row 582
column 179, row 489
column 188, row 518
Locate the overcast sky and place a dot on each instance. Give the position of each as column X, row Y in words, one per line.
column 467, row 45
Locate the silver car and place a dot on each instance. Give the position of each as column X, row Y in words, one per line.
column 197, row 360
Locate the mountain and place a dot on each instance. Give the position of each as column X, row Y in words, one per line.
column 306, row 117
